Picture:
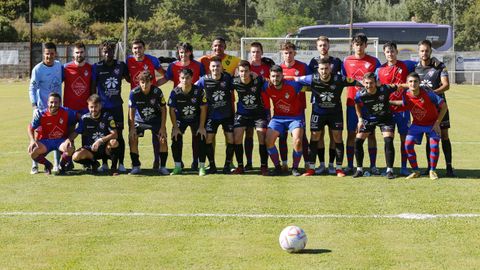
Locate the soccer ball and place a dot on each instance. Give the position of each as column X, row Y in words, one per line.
column 292, row 239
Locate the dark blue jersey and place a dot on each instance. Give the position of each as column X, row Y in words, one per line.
column 250, row 101
column 109, row 82
column 93, row 129
column 430, row 76
column 326, row 96
column 376, row 107
column 187, row 105
column 148, row 107
column 335, row 64
column 219, row 95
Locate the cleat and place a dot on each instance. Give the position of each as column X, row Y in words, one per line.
column 61, row 171
column 426, row 172
column 212, row 169
column 227, row 170
column 340, row 173
column 156, row 165
column 390, row 175
column 248, row 167
column 163, row 171
column 331, row 169
column 264, row 170
column 450, row 173
column 321, row 170
column 433, row 175
column 309, row 172
column 296, row 172
column 194, row 166
column 95, row 166
column 284, row 168
column 375, row 171
column 69, row 166
column 348, row 170
column 202, row 171
column 357, row 174
column 122, row 168
column 414, row 174
column 55, row 169
column 135, row 170
column 238, row 170
column 115, row 173
column 277, row 171
column 404, row 172
column 176, row 171
column 34, row 170
column 102, row 169
column 183, row 165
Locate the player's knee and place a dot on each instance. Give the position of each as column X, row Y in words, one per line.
column 113, row 143
column 315, row 136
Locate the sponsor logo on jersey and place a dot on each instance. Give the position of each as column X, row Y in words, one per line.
column 101, row 125
column 218, row 95
column 85, row 73
column 152, row 101
column 188, row 110
column 116, row 71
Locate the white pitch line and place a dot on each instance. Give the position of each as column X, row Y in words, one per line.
column 254, row 216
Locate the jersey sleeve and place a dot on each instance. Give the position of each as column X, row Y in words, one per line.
column 37, row 116
column 161, row 98
column 169, row 73
column 435, row 99
column 346, row 81
column 131, row 101
column 202, row 70
column 112, row 125
column 203, row 99
column 94, row 72
column 32, row 90
column 358, row 99
column 79, row 129
column 312, row 65
column 308, row 71
column 72, row 116
column 200, row 83
column 172, row 100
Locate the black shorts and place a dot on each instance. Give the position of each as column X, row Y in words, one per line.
column 141, row 127
column 385, row 126
column 100, row 153
column 333, row 121
column 445, row 124
column 194, row 125
column 212, row 125
column 249, row 121
column 117, row 114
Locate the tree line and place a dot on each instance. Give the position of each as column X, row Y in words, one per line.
column 165, row 22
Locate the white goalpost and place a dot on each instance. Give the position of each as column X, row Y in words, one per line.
column 306, row 47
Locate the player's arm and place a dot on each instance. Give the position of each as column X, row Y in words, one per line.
column 445, row 85
column 358, row 111
column 163, row 123
column 32, row 90
column 173, row 119
column 132, row 131
column 203, row 119
column 441, row 114
column 304, row 80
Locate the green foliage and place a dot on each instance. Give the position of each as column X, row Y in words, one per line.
column 7, row 31
column 78, row 19
column 106, row 31
column 56, row 30
column 468, row 30
column 43, row 15
column 12, row 9
column 285, row 23
column 382, row 10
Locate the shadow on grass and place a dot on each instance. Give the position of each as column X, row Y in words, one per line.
column 314, row 251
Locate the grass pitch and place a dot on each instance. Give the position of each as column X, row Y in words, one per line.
column 67, row 222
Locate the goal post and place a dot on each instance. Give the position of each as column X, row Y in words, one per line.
column 306, row 47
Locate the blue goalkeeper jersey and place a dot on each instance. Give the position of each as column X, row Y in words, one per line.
column 45, row 79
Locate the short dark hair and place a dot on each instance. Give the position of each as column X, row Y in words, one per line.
column 221, row 39
column 287, row 46
column 138, row 41
column 79, row 45
column 391, row 45
column 186, row 47
column 109, row 45
column 276, row 68
column 425, row 42
column 414, row 75
column 323, row 38
column 257, row 44
column 54, row 94
column 360, row 38
column 144, row 76
column 324, row 61
column 50, row 45
column 95, row 99
column 244, row 64
column 215, row 59
column 370, row 75
column 186, row 71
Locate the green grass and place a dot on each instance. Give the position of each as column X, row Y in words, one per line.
column 147, row 242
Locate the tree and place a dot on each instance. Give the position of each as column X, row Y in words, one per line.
column 7, row 31
column 11, row 9
column 468, row 32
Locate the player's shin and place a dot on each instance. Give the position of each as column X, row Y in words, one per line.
column 273, row 153
column 202, row 154
column 263, row 155
column 248, row 149
column 282, row 143
column 177, row 148
column 313, row 153
column 411, row 155
column 339, row 151
column 239, row 154
column 359, row 153
column 389, row 153
column 65, row 159
column 434, row 153
column 229, row 151
column 114, row 157
column 156, row 148
column 447, row 151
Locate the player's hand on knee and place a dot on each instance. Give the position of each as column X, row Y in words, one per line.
column 113, row 143
column 202, row 132
column 162, row 134
column 32, row 146
column 175, row 132
column 97, row 144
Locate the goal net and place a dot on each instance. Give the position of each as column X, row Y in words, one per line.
column 306, row 47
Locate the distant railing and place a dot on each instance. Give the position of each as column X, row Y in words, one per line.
column 464, row 77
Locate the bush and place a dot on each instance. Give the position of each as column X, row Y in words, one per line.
column 56, row 30
column 7, row 31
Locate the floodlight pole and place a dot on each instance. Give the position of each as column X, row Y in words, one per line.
column 125, row 28
column 30, row 11
column 454, row 15
column 245, row 24
column 351, row 23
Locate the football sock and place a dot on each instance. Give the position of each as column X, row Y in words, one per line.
column 239, row 154
column 313, row 153
column 447, row 151
column 359, row 152
column 331, row 155
column 156, row 148
column 389, row 151
column 411, row 155
column 114, row 157
column 305, row 148
column 135, row 159
column 163, row 159
column 201, row 150
column 427, row 151
column 321, row 154
column 263, row 154
column 297, row 156
column 434, row 153
column 248, row 149
column 404, row 154
column 282, row 143
column 177, row 148
column 195, row 147
column 65, row 159
column 209, row 152
column 229, row 154
column 350, row 153
column 339, row 153
column 121, row 148
column 273, row 153
column 372, row 153
column 42, row 160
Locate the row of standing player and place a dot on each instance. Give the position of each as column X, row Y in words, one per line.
column 140, row 61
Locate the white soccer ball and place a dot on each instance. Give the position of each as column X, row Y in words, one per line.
column 292, row 239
